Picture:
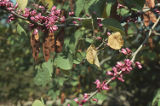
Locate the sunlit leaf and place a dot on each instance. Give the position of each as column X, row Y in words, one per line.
column 91, row 55
column 48, row 3
column 22, row 4
column 37, row 103
column 20, row 30
column 63, row 62
column 115, row 41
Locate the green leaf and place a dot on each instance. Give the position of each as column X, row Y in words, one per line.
column 71, row 42
column 37, row 103
column 89, row 40
column 113, row 25
column 60, row 80
column 123, row 11
column 63, row 62
column 135, row 4
column 159, row 103
column 97, row 7
column 49, row 3
column 44, row 73
column 79, row 7
column 88, row 4
column 156, row 99
column 53, row 94
column 108, row 9
column 48, row 66
column 22, row 4
column 20, row 30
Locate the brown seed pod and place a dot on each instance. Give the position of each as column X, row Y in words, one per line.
column 60, row 40
column 150, row 3
column 35, row 44
column 48, row 45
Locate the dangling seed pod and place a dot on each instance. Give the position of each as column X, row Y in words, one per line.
column 35, row 44
column 48, row 45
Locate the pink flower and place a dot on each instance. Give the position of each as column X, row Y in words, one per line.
column 76, row 100
column 62, row 19
column 98, row 83
column 74, row 22
column 108, row 33
column 124, row 51
column 128, row 51
column 71, row 13
column 85, row 95
column 138, row 64
column 79, row 19
column 121, row 78
column 100, row 25
column 109, row 73
column 105, row 86
column 35, row 31
column 94, row 99
column 99, row 38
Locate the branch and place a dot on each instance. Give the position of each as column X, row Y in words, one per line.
column 95, row 92
column 156, row 33
column 149, row 34
column 132, row 60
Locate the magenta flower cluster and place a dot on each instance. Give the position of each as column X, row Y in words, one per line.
column 46, row 21
column 84, row 100
column 119, row 69
column 101, row 86
column 126, row 51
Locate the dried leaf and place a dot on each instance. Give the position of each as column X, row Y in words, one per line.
column 115, row 41
column 91, row 56
column 150, row 3
column 152, row 17
column 35, row 44
column 146, row 18
column 60, row 40
column 48, row 45
column 149, row 16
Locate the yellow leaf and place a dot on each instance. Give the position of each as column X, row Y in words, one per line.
column 115, row 41
column 22, row 4
column 47, row 2
column 91, row 56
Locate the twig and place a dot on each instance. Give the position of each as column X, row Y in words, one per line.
column 149, row 34
column 156, row 33
column 103, row 42
column 104, row 60
column 95, row 92
column 133, row 58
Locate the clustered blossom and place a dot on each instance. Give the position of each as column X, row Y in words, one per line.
column 6, row 4
column 126, row 51
column 71, row 13
column 101, row 86
column 138, row 64
column 84, row 100
column 49, row 21
column 123, row 67
column 99, row 22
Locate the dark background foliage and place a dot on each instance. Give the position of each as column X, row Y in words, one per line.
column 22, row 79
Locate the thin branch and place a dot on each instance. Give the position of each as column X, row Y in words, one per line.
column 103, row 42
column 95, row 92
column 156, row 33
column 149, row 34
column 133, row 57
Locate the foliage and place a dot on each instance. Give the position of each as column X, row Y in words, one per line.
column 67, row 61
